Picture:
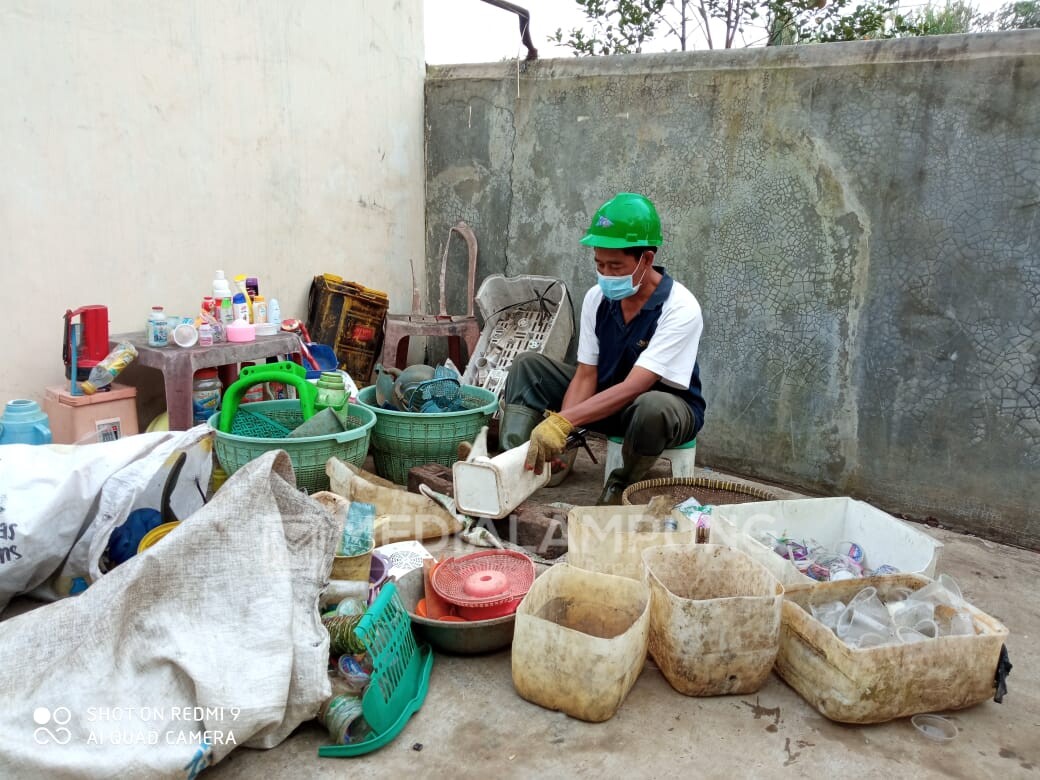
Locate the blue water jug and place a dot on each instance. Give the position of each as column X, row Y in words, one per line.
column 24, row 422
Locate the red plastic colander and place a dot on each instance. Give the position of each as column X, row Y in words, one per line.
column 485, row 584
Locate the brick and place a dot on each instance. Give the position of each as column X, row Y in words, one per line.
column 537, row 527
column 434, row 475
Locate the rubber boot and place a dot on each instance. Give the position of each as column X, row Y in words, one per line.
column 633, row 469
column 517, row 423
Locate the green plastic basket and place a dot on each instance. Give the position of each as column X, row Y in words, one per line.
column 400, row 673
column 401, row 440
column 308, row 454
column 257, row 426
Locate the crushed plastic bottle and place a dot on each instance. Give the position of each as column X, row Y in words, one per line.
column 108, row 369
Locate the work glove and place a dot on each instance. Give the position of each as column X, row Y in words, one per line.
column 548, row 439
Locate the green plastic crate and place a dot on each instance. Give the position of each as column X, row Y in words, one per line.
column 401, row 440
column 400, row 673
column 307, row 453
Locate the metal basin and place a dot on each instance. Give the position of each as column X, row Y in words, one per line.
column 464, row 638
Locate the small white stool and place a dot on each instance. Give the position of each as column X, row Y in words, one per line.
column 681, row 458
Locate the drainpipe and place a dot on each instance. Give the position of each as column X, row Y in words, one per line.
column 525, row 24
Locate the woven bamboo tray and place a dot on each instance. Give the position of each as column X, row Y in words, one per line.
column 708, row 491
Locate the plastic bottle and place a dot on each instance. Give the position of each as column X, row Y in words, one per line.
column 332, row 392
column 221, row 288
column 240, row 286
column 254, row 393
column 274, row 312
column 205, row 335
column 259, row 310
column 357, row 530
column 240, row 307
column 227, row 312
column 158, row 332
column 209, row 306
column 205, row 395
column 108, row 369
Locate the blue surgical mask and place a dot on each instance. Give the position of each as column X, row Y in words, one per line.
column 617, row 288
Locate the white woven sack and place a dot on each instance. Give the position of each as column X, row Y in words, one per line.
column 206, row 641
column 49, row 499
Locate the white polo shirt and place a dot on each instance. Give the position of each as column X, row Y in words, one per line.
column 672, row 350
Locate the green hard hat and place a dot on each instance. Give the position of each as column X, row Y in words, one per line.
column 627, row 219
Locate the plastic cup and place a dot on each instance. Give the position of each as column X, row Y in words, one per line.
column 864, row 595
column 909, row 636
column 897, row 596
column 928, row 628
column 828, row 613
column 943, row 590
column 935, row 727
column 851, row 550
column 869, row 640
column 185, row 335
column 842, row 567
column 853, row 624
column 867, row 603
column 961, row 624
column 912, row 613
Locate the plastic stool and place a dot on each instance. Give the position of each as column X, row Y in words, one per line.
column 681, row 458
column 399, row 328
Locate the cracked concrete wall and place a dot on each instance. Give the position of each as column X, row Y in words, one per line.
column 858, row 221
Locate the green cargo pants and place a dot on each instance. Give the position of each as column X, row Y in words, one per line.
column 652, row 423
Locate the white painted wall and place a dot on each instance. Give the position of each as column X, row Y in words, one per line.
column 144, row 145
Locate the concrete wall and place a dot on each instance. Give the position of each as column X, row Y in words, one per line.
column 144, row 145
column 859, row 222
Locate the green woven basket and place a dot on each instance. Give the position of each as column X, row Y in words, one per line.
column 307, row 453
column 401, row 440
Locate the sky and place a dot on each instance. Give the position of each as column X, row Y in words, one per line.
column 460, row 31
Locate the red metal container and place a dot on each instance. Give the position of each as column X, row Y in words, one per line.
column 92, row 342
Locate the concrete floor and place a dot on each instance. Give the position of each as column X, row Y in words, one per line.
column 473, row 724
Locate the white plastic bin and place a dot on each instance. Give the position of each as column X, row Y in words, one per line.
column 877, row 684
column 580, row 641
column 714, row 618
column 611, row 539
column 827, row 521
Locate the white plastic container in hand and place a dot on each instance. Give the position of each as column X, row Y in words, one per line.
column 494, row 487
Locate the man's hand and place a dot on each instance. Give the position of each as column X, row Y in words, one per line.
column 549, row 438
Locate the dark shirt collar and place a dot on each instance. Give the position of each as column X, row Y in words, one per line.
column 664, row 289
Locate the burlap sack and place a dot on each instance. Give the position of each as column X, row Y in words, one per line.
column 209, row 640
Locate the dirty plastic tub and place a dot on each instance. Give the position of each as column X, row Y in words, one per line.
column 580, row 641
column 714, row 618
column 611, row 539
column 877, row 684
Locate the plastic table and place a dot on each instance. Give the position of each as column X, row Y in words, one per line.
column 179, row 364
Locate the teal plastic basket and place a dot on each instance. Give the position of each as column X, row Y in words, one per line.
column 401, row 440
column 308, row 454
column 400, row 673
